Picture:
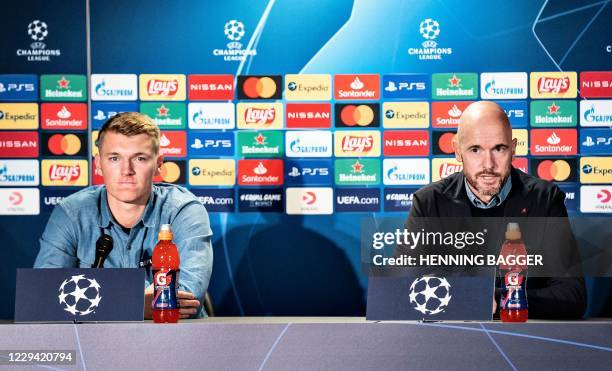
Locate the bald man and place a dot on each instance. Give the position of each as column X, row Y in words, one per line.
column 489, row 186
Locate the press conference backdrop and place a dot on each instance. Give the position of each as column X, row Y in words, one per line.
column 293, row 121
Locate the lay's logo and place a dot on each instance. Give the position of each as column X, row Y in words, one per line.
column 162, row 87
column 259, row 115
column 553, row 84
column 357, row 143
column 64, row 172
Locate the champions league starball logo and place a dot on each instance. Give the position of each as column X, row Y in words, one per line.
column 79, row 295
column 430, row 30
column 430, row 295
column 38, row 30
column 234, row 30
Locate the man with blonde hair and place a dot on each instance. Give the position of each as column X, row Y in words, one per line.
column 130, row 208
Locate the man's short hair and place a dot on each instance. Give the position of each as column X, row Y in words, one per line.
column 130, row 124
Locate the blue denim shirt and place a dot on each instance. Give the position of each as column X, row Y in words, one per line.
column 77, row 222
column 495, row 200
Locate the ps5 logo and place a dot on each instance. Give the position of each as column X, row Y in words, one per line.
column 211, row 143
column 391, row 86
column 517, row 113
column 16, row 87
column 306, row 171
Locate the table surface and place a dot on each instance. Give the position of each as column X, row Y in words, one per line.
column 320, row 343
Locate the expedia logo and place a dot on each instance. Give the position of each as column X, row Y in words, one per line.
column 259, row 87
column 596, row 169
column 553, row 85
column 361, row 115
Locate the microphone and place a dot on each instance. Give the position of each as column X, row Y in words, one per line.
column 104, row 245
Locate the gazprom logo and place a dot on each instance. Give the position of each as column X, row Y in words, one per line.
column 413, row 171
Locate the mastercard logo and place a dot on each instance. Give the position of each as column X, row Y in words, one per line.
column 444, row 142
column 354, row 115
column 557, row 170
column 259, row 87
column 172, row 172
column 65, row 145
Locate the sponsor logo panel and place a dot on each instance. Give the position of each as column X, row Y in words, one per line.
column 63, row 116
column 162, row 87
column 18, row 116
column 167, row 115
column 357, row 200
column 596, row 170
column 210, row 143
column 406, row 143
column 19, row 201
column 63, row 88
column 19, row 173
column 18, row 88
column 263, row 143
column 443, row 142
column 102, row 112
column 357, row 115
column 308, row 115
column 260, row 115
column 357, row 171
column 210, row 87
column 552, row 142
column 64, row 172
column 503, row 85
column 96, row 174
column 553, row 85
column 260, row 87
column 260, row 172
column 260, row 200
column 521, row 163
column 364, row 143
column 173, row 143
column 172, row 171
column 596, row 199
column 50, row 197
column 399, row 199
column 212, row 172
column 596, row 84
column 553, row 113
column 405, row 115
column 407, row 86
column 64, row 144
column 21, row 144
column 310, row 201
column 571, row 197
column 596, row 141
column 315, row 143
column 443, row 167
column 555, row 169
column 307, row 87
column 213, row 116
column 216, row 200
column 308, row 172
column 517, row 112
column 454, row 86
column 406, row 171
column 522, row 141
column 447, row 114
column 361, row 86
column 114, row 87
column 596, row 113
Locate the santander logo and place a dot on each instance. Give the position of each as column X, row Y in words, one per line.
column 357, row 144
column 259, row 115
column 553, row 85
column 553, row 139
column 162, row 87
column 64, row 173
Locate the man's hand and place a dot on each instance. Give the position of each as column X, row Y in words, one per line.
column 494, row 305
column 188, row 304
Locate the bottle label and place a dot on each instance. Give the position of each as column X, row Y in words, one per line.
column 513, row 287
column 165, row 283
